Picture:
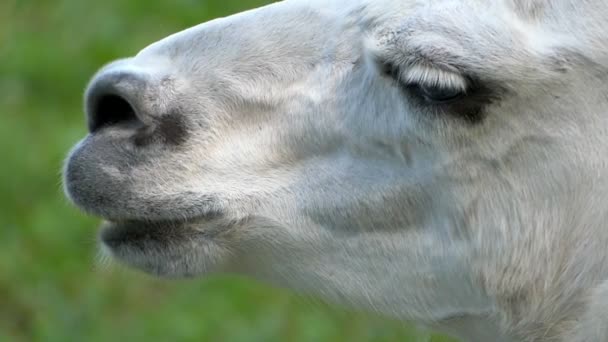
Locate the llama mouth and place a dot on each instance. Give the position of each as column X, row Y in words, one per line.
column 144, row 234
column 165, row 248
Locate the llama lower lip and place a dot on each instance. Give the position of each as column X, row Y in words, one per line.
column 116, row 234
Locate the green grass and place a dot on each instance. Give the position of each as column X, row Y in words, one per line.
column 50, row 286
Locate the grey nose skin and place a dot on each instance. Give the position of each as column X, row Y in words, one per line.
column 114, row 98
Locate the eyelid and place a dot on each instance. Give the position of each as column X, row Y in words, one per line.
column 423, row 74
column 433, row 77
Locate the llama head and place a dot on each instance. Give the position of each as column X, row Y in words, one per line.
column 396, row 155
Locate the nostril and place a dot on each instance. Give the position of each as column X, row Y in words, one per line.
column 111, row 110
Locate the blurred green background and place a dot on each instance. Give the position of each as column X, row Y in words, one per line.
column 51, row 288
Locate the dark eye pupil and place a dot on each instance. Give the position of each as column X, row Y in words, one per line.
column 439, row 93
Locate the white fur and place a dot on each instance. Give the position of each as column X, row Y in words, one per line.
column 333, row 180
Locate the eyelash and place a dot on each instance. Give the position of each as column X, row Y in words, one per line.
column 430, row 93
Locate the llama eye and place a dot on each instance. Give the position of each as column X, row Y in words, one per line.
column 437, row 93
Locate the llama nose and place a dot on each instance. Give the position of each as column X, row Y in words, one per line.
column 114, row 99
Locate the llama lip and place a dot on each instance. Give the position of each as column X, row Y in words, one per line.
column 143, row 233
column 115, row 234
